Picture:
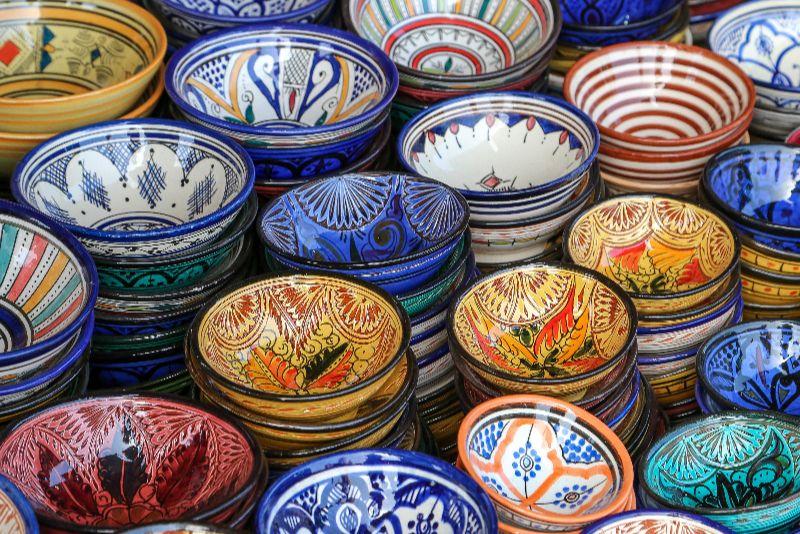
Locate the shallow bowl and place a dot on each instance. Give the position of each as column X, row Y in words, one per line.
column 611, row 12
column 654, row 521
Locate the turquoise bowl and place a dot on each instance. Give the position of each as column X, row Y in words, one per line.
column 740, row 469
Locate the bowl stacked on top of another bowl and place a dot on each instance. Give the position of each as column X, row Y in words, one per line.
column 655, row 521
column 663, row 111
column 164, row 208
column 679, row 263
column 524, row 162
column 703, row 15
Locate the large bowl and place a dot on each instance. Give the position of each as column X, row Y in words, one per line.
column 137, row 188
column 655, row 522
column 104, row 463
column 668, row 254
column 71, row 63
column 612, row 12
column 15, row 510
column 376, row 490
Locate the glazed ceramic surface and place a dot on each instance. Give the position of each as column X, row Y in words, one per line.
column 16, row 514
column 376, row 491
column 611, row 12
column 655, row 248
column 655, row 522
column 179, row 528
column 66, row 64
column 585, row 36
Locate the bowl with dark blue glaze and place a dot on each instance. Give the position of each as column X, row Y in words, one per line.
column 134, row 365
column 374, row 490
column 654, row 522
column 137, row 188
column 392, row 230
column 612, row 12
column 596, row 36
column 16, row 514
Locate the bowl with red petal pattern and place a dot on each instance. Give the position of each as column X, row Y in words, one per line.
column 99, row 464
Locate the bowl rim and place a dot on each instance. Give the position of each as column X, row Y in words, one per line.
column 745, row 115
column 588, row 422
column 459, row 265
column 662, row 16
column 727, row 272
column 459, row 351
column 390, row 176
column 151, row 398
column 165, row 527
column 361, row 457
column 509, row 98
column 610, row 521
column 762, row 274
column 727, row 293
column 710, row 420
column 20, row 502
column 135, row 11
column 729, row 301
column 287, row 32
column 84, row 263
column 193, row 348
column 287, row 16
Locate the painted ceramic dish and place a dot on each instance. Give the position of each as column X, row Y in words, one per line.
column 119, row 461
column 376, row 490
column 597, row 36
column 611, row 12
column 252, row 346
column 668, row 254
column 724, row 467
column 16, row 514
column 545, row 463
column 67, row 64
column 656, row 522
column 179, row 528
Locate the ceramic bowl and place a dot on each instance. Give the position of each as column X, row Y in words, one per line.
column 616, row 186
column 92, row 63
column 123, row 368
column 653, row 522
column 130, row 459
column 399, row 499
column 17, row 514
column 137, row 188
column 352, row 337
column 765, row 288
column 546, row 464
column 49, row 290
column 794, row 137
column 768, row 259
column 392, row 230
column 520, row 150
column 179, row 527
column 597, row 36
column 660, row 97
column 344, row 84
column 724, row 467
column 611, row 12
column 762, row 38
column 774, row 124
column 541, row 327
column 668, row 254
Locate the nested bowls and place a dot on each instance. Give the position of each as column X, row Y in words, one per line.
column 67, row 64
column 670, row 17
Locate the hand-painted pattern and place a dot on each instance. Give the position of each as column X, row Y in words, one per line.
column 652, row 522
column 611, row 12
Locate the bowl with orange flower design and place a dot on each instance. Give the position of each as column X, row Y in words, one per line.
column 300, row 346
column 547, row 328
column 669, row 254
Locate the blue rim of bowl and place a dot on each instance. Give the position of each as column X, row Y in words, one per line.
column 732, row 303
column 85, row 262
column 21, row 503
column 359, row 457
column 144, row 235
column 596, row 528
column 357, row 43
column 626, row 409
column 271, row 19
column 660, row 18
column 699, row 397
column 564, row 105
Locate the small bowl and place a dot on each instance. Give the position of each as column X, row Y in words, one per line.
column 415, row 490
column 92, row 64
column 652, row 521
column 132, row 459
column 137, row 188
column 612, row 12
column 668, row 254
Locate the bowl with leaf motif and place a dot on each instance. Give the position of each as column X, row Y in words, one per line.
column 600, row 35
column 612, row 12
column 137, row 188
column 668, row 253
column 739, row 469
column 655, row 521
column 17, row 514
column 125, row 460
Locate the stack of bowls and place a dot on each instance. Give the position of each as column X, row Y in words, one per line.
column 163, row 208
column 756, row 187
column 548, row 466
column 703, row 15
column 448, row 49
column 761, row 38
column 655, row 521
column 679, row 263
column 310, row 363
column 663, row 110
column 524, row 162
column 48, row 292
column 304, row 100
column 739, row 469
column 100, row 464
column 751, row 366
column 71, row 63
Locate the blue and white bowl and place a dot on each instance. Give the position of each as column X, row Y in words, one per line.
column 375, row 490
column 137, row 188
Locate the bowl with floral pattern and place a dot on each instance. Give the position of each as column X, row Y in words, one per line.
column 137, row 188
column 103, row 463
column 611, row 12
column 656, row 522
column 546, row 464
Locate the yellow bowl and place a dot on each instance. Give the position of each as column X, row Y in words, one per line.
column 68, row 63
column 300, row 346
column 668, row 254
column 760, row 287
column 769, row 260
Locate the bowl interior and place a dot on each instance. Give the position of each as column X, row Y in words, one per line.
column 653, row 245
column 300, row 335
column 500, row 143
column 119, row 461
column 541, row 321
column 455, row 38
column 363, row 219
